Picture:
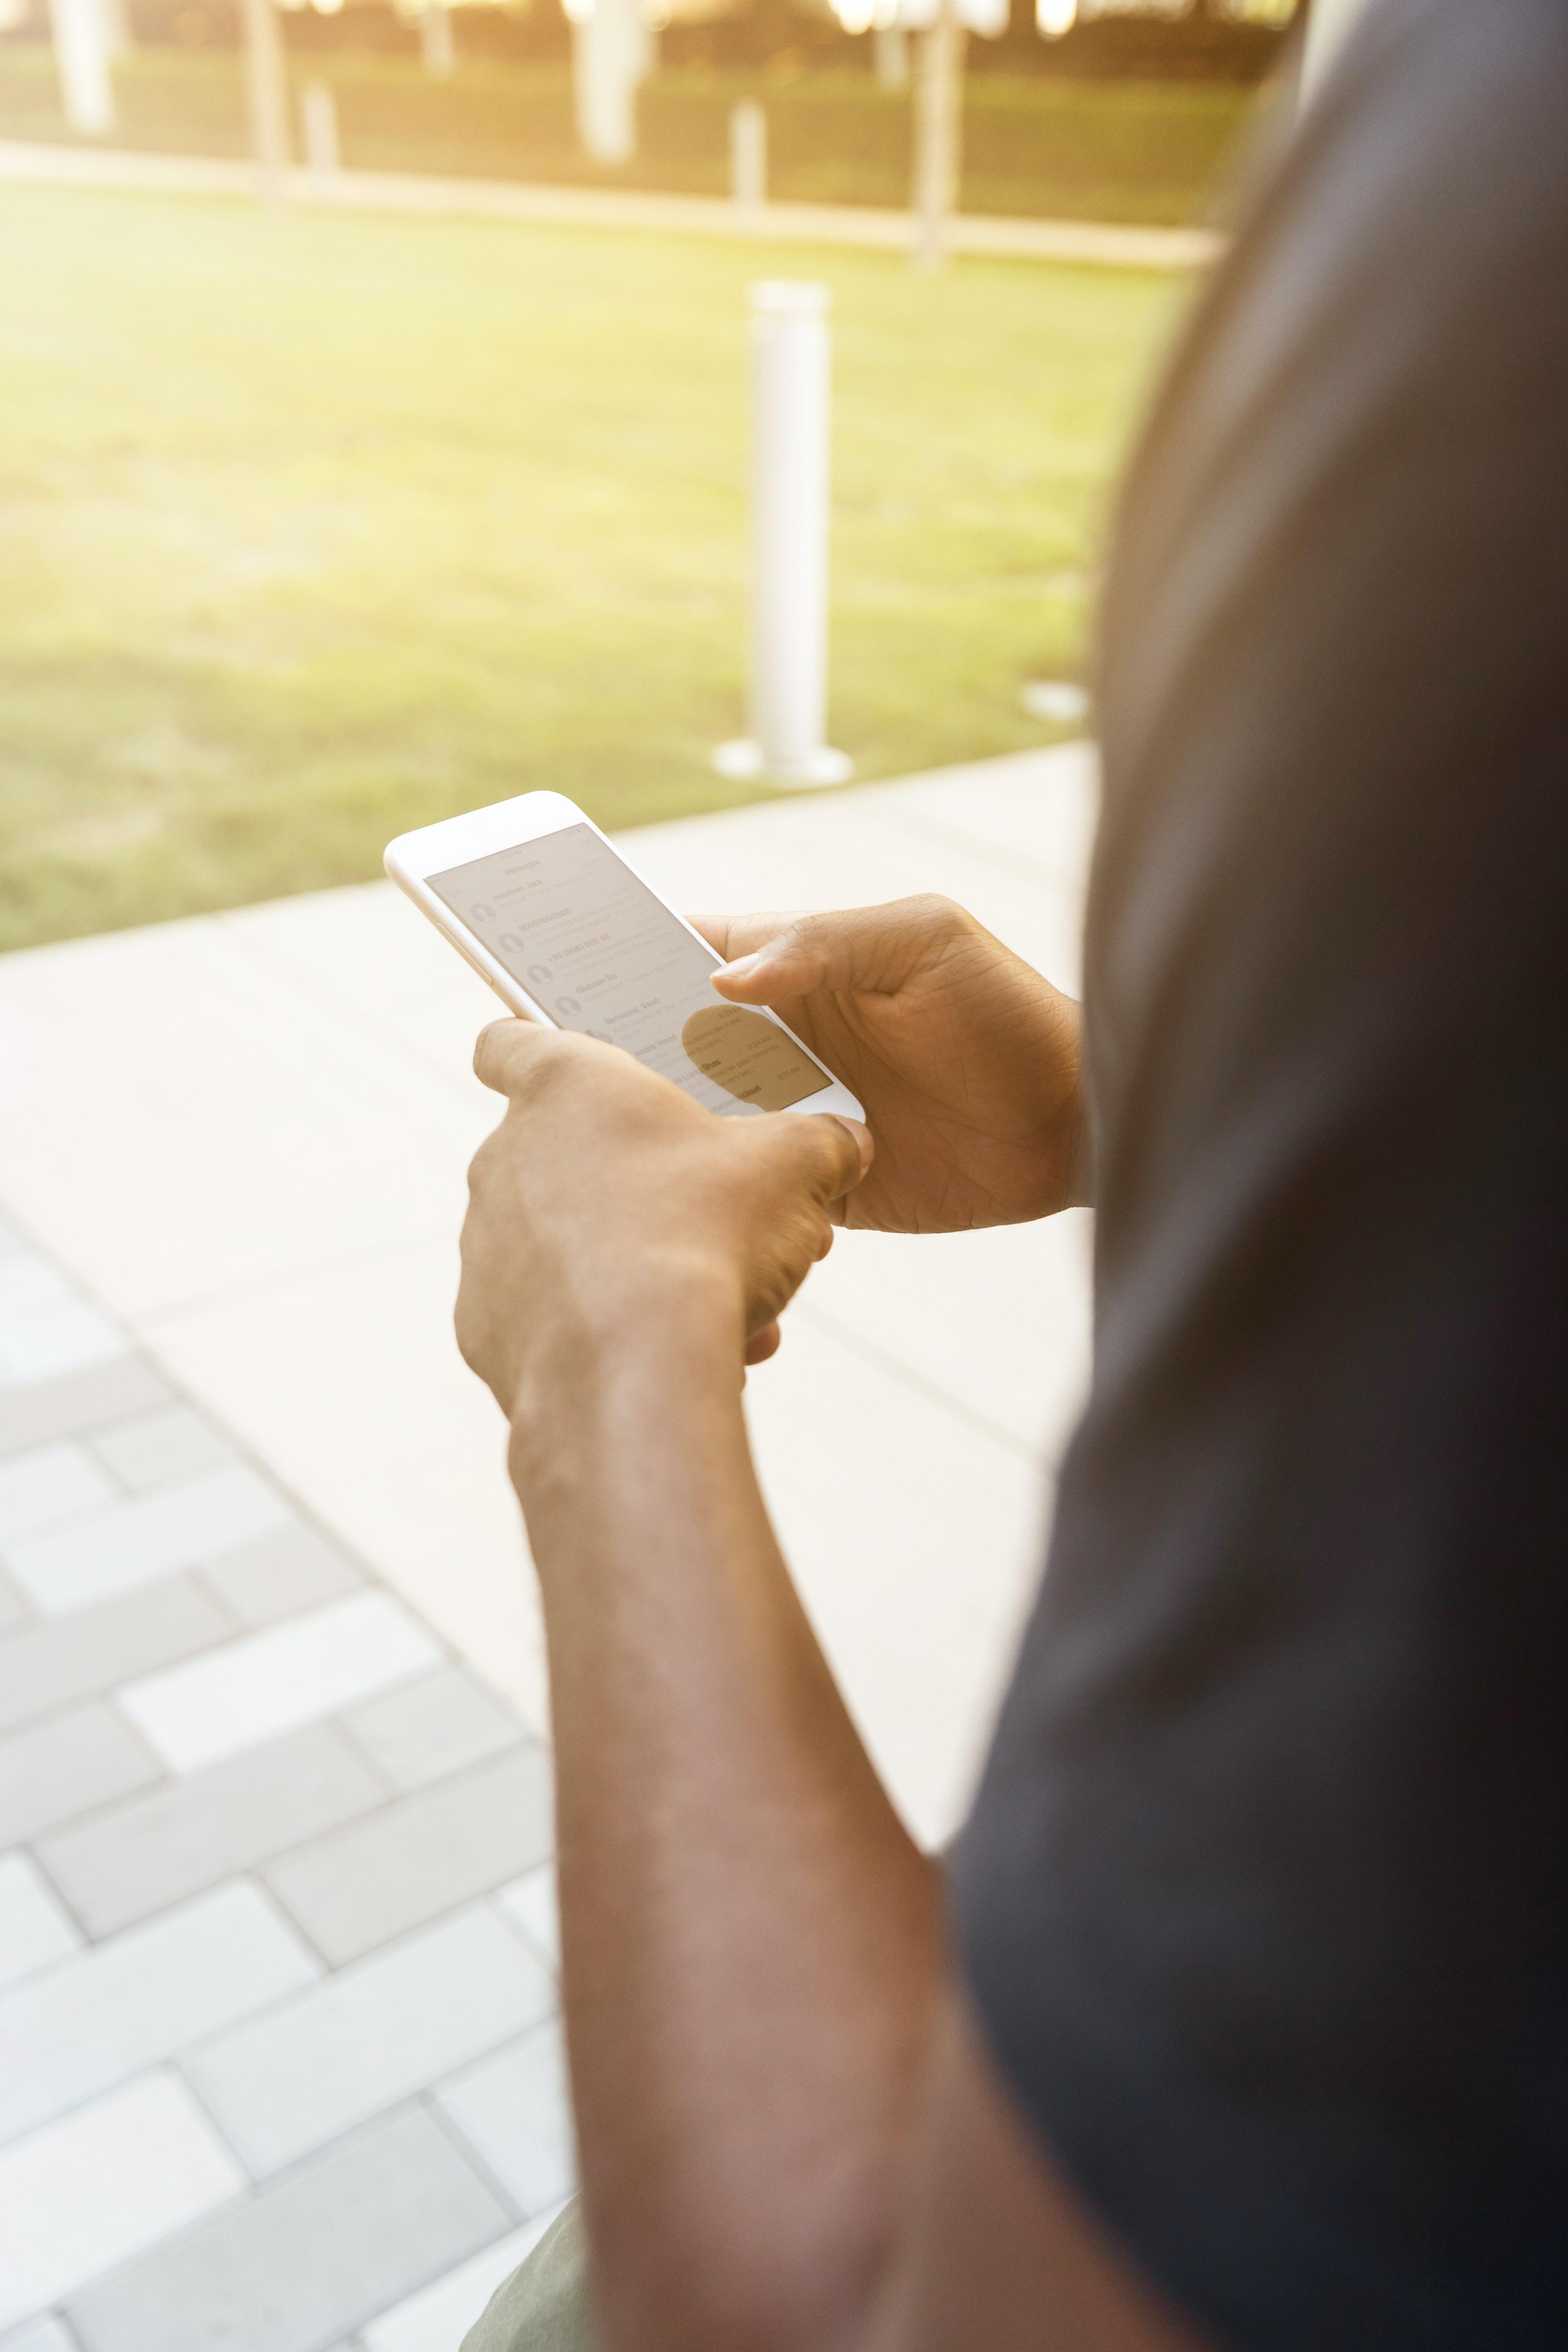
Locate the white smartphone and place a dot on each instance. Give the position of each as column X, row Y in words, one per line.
column 567, row 932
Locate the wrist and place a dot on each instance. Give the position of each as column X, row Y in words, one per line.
column 670, row 1335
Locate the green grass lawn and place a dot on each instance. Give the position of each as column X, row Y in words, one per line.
column 315, row 528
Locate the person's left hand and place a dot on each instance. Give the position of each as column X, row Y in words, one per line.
column 606, row 1196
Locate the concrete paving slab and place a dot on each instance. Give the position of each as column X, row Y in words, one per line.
column 274, row 1681
column 531, row 1904
column 252, row 1138
column 150, row 1449
column 440, row 1847
column 281, row 1575
column 133, row 2002
column 49, row 1666
column 281, row 2086
column 47, row 1331
column 34, row 1930
column 133, row 1859
column 98, row 1555
column 432, row 1728
column 995, row 1322
column 312, row 2257
column 352, row 951
column 84, row 2193
column 350, row 1384
column 47, row 1483
column 63, row 1766
column 515, row 2111
column 914, row 1534
column 49, row 2335
column 101, row 1393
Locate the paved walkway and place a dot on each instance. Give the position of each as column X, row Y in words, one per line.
column 278, row 2009
column 1103, row 243
column 280, row 2068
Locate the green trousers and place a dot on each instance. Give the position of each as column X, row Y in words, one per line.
column 543, row 2306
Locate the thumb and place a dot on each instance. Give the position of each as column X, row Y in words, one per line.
column 846, row 949
column 860, row 1136
column 825, row 1154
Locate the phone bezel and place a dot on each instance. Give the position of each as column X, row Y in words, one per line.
column 505, row 824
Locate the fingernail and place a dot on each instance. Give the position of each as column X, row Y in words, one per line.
column 742, row 967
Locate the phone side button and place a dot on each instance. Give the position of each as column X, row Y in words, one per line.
column 471, row 960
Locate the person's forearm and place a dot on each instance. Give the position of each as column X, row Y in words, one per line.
column 751, row 1941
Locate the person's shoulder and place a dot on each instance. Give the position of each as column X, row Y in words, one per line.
column 1421, row 47
column 1445, row 121
column 1376, row 373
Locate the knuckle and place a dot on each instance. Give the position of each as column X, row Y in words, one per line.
column 567, row 1060
column 546, row 1075
column 820, row 929
column 520, row 1058
column 466, row 1329
column 941, row 917
column 814, row 946
column 540, row 1063
column 488, row 1048
column 480, row 1168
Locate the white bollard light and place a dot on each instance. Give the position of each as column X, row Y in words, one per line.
column 319, row 110
column 892, row 55
column 437, row 49
column 938, row 133
column 790, row 420
column 266, row 94
column 612, row 54
column 82, row 47
column 748, row 156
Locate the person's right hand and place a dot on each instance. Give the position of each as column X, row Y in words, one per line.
column 965, row 1061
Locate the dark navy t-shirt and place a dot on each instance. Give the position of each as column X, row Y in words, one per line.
column 1264, row 1903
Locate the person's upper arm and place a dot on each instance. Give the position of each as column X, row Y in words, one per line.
column 997, row 2249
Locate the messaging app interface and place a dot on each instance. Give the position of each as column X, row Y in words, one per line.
column 598, row 952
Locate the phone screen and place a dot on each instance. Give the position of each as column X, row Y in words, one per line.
column 598, row 952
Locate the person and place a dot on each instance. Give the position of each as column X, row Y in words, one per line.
column 1241, row 2018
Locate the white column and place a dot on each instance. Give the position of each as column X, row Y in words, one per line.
column 790, row 433
column 892, row 53
column 437, row 45
column 939, row 131
column 266, row 98
column 319, row 110
column 612, row 50
column 81, row 34
column 749, row 155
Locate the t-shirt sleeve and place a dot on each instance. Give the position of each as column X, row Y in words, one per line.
column 1263, row 1905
